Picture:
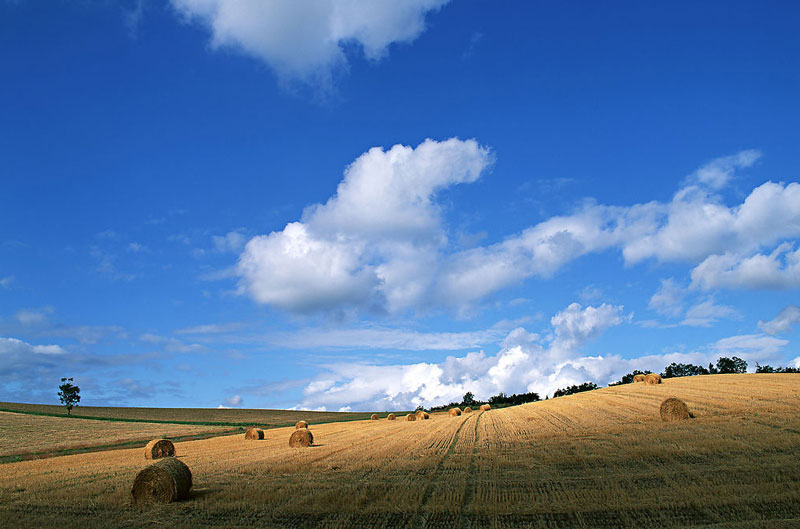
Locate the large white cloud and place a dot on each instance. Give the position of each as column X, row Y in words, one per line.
column 380, row 242
column 307, row 40
column 375, row 244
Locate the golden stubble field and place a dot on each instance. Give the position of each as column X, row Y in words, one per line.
column 596, row 459
column 25, row 434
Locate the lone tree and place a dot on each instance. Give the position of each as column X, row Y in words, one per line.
column 469, row 399
column 69, row 394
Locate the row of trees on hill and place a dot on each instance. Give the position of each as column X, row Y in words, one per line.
column 724, row 365
column 497, row 401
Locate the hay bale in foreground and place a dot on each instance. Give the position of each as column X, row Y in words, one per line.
column 391, row 417
column 373, row 417
column 485, row 407
column 301, row 437
column 158, row 448
column 254, row 433
column 638, row 378
column 467, row 410
column 674, row 409
column 163, row 482
column 454, row 412
column 652, row 379
column 301, row 424
column 411, row 417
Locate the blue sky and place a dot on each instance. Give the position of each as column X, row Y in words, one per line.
column 375, row 205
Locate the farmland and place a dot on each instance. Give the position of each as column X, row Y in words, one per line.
column 197, row 416
column 594, row 459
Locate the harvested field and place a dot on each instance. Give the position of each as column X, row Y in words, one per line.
column 595, row 459
column 24, row 434
column 199, row 416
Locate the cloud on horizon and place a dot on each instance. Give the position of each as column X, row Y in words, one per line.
column 526, row 363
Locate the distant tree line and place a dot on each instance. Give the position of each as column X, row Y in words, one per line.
column 497, row 401
column 770, row 369
column 586, row 386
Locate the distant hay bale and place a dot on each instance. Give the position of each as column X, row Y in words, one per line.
column 301, row 437
column 301, row 424
column 652, row 378
column 674, row 409
column 467, row 410
column 163, row 482
column 254, row 433
column 425, row 416
column 158, row 448
column 485, row 407
column 411, row 417
column 391, row 416
column 638, row 378
column 454, row 412
column 373, row 417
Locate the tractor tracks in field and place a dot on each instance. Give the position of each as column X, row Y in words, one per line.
column 421, row 517
column 469, row 488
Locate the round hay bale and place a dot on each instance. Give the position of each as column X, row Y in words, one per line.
column 411, row 417
column 674, row 409
column 373, row 417
column 163, row 482
column 485, row 407
column 254, row 433
column 158, row 448
column 301, row 424
column 638, row 378
column 301, row 437
column 425, row 416
column 454, row 412
column 467, row 410
column 391, row 417
column 652, row 379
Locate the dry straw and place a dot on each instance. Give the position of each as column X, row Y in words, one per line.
column 158, row 448
column 163, row 482
column 454, row 412
column 485, row 407
column 301, row 437
column 638, row 378
column 411, row 417
column 391, row 416
column 254, row 433
column 301, row 424
column 467, row 410
column 374, row 417
column 652, row 378
column 674, row 409
column 422, row 415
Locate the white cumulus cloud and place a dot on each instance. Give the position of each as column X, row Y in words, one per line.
column 308, row 40
column 375, row 243
column 380, row 243
column 778, row 271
